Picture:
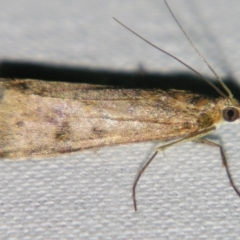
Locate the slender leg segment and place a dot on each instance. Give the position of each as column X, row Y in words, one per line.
column 194, row 136
column 224, row 162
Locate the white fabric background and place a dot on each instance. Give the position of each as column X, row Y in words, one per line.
column 182, row 195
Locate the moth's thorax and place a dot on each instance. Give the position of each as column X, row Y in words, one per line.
column 206, row 110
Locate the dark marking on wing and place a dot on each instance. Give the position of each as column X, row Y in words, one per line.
column 63, row 132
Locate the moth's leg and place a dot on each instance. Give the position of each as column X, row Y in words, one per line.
column 224, row 161
column 193, row 136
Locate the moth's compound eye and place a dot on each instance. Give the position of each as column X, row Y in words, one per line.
column 230, row 114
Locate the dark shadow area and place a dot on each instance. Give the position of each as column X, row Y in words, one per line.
column 121, row 79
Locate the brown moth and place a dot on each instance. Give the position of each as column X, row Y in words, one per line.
column 40, row 119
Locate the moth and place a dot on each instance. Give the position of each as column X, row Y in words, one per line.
column 41, row 119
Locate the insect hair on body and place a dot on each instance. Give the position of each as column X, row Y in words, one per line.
column 228, row 112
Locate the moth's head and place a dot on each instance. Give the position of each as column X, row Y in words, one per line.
column 231, row 113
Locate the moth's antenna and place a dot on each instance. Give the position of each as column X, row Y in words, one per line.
column 199, row 54
column 179, row 60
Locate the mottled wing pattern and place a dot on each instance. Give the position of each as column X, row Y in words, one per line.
column 39, row 118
